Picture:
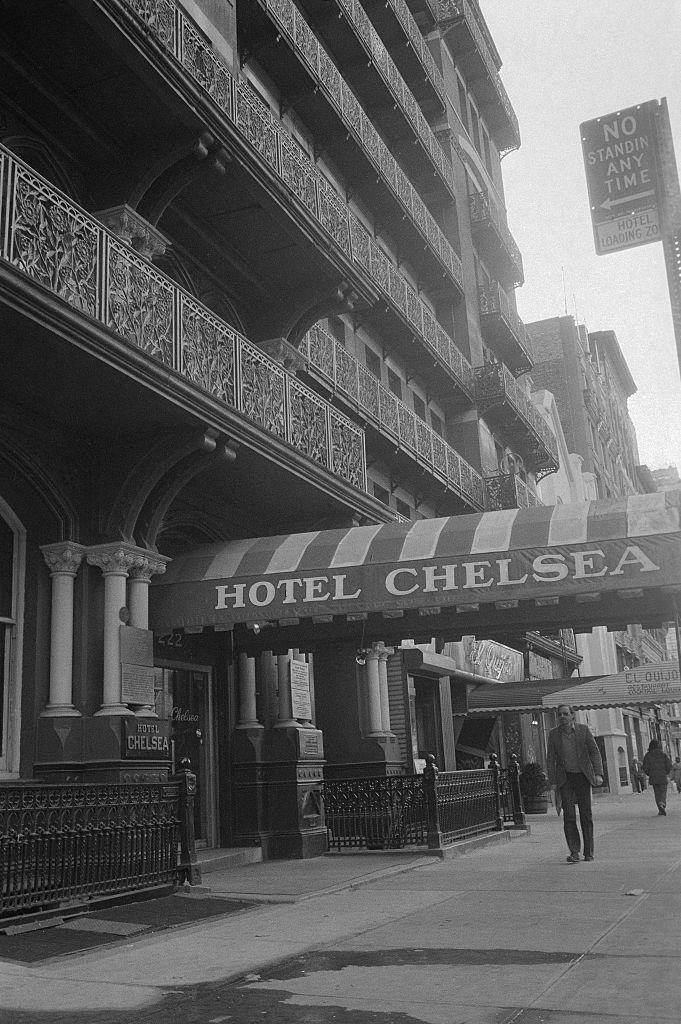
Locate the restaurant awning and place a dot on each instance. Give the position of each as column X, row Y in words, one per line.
column 655, row 683
column 576, row 565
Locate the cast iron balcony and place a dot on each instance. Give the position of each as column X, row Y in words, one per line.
column 468, row 38
column 362, row 389
column 267, row 137
column 500, row 399
column 508, row 490
column 58, row 246
column 494, row 239
column 503, row 329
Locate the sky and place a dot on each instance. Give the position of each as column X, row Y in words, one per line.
column 565, row 62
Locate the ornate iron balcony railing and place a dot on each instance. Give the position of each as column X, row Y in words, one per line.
column 175, row 32
column 508, row 490
column 354, row 380
column 486, row 214
column 502, row 326
column 326, row 74
column 373, row 44
column 59, row 246
column 495, row 386
column 419, row 44
column 464, row 14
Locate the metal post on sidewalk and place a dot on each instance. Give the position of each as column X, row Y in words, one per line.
column 496, row 775
column 430, row 774
column 188, row 870
column 516, row 796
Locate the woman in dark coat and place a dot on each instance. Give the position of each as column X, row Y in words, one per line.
column 657, row 767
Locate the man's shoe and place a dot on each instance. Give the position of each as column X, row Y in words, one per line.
column 573, row 858
column 662, row 811
column 588, row 856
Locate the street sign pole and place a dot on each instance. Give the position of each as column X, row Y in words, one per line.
column 671, row 216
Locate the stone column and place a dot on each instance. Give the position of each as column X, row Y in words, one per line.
column 284, row 684
column 139, row 577
column 248, row 717
column 373, row 686
column 115, row 561
column 383, row 655
column 63, row 560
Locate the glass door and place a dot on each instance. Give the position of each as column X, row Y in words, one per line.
column 184, row 696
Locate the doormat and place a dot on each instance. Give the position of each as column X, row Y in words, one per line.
column 114, row 924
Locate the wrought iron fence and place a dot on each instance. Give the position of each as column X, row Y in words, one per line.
column 70, row 843
column 433, row 809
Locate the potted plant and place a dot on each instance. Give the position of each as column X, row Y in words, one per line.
column 534, row 788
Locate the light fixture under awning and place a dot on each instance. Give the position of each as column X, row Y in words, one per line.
column 491, row 561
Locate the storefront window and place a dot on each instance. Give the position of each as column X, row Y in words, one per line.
column 183, row 696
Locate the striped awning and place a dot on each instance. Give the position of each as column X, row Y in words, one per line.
column 508, row 563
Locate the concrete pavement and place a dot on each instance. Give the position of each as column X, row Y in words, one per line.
column 510, row 933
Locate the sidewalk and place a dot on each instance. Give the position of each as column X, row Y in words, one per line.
column 510, row 933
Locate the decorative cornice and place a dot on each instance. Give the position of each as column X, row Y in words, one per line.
column 63, row 557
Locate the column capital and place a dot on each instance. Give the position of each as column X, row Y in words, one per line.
column 117, row 557
column 63, row 557
column 148, row 564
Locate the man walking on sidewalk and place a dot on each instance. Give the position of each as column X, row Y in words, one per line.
column 574, row 766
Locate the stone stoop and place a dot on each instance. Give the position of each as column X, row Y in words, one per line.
column 225, row 858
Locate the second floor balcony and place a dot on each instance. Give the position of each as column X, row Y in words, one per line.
column 508, row 490
column 494, row 239
column 502, row 401
column 503, row 329
column 50, row 242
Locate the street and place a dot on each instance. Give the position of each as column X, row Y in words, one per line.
column 509, row 933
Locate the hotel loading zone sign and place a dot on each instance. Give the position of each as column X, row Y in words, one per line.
column 620, row 157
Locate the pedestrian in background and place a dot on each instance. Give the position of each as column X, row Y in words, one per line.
column 675, row 774
column 574, row 765
column 637, row 776
column 657, row 767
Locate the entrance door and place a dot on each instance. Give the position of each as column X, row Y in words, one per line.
column 184, row 696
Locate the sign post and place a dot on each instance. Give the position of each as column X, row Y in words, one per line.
column 633, row 187
column 620, row 157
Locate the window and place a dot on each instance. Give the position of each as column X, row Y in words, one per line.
column 403, row 508
column 419, row 407
column 463, row 106
column 487, row 152
column 437, row 424
column 372, row 361
column 382, row 494
column 12, row 545
column 475, row 128
column 394, row 383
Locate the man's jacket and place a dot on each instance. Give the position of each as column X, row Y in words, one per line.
column 588, row 755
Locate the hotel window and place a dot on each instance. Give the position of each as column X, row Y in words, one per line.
column 437, row 424
column 382, row 494
column 419, row 407
column 373, row 362
column 403, row 508
column 394, row 383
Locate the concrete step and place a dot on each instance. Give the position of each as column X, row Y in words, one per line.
column 228, row 857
